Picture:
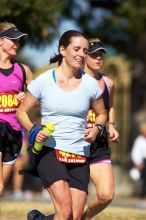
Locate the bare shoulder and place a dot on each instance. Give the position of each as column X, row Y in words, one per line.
column 111, row 82
column 29, row 75
column 27, row 69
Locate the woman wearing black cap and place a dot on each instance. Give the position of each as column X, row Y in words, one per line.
column 101, row 172
column 13, row 78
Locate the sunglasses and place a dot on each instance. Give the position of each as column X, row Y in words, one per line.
column 96, row 55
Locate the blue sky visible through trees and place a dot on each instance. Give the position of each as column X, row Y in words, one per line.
column 40, row 56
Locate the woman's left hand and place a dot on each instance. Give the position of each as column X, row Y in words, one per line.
column 113, row 134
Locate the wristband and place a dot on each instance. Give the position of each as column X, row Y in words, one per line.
column 101, row 128
column 33, row 132
column 112, row 123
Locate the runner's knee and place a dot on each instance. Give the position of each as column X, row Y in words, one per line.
column 105, row 197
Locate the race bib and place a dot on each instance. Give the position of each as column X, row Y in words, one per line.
column 8, row 102
column 91, row 117
column 66, row 157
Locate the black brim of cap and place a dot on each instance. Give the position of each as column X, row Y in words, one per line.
column 97, row 49
column 17, row 36
column 13, row 33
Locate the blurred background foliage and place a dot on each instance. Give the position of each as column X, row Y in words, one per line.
column 120, row 24
column 39, row 18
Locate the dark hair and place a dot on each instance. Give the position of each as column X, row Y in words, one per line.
column 65, row 40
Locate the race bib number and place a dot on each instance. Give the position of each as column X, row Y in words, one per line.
column 66, row 157
column 8, row 102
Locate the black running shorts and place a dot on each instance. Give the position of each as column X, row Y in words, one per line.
column 10, row 143
column 100, row 149
column 50, row 170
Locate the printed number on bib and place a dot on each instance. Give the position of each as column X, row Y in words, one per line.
column 8, row 102
column 66, row 157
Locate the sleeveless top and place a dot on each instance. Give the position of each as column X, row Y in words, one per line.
column 11, row 83
column 105, row 95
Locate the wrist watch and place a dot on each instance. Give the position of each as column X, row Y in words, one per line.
column 100, row 127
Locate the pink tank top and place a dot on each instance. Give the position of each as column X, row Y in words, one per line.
column 11, row 83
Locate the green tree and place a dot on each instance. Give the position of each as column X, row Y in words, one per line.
column 39, row 18
column 120, row 24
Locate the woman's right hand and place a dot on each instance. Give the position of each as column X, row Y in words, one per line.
column 91, row 134
column 41, row 136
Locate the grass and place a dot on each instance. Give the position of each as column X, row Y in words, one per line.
column 13, row 210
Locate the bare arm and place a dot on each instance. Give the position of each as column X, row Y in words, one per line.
column 101, row 118
column 113, row 133
column 29, row 77
column 100, row 111
column 111, row 107
column 22, row 115
column 22, row 111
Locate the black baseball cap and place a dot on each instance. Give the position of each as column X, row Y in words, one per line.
column 13, row 33
column 95, row 46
